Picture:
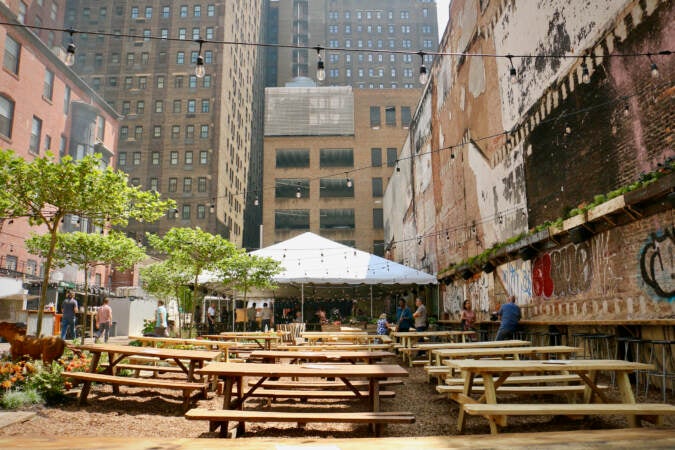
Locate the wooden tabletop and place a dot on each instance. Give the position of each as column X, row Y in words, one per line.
column 499, row 351
column 304, row 370
column 334, row 333
column 480, row 344
column 181, row 341
column 321, row 355
column 204, row 355
column 429, row 333
column 571, row 365
column 331, row 346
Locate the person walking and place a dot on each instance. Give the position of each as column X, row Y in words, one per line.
column 103, row 321
column 161, row 320
column 69, row 309
column 251, row 317
column 266, row 317
column 420, row 315
column 211, row 317
column 509, row 313
column 404, row 318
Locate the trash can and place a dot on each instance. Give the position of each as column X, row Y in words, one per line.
column 113, row 329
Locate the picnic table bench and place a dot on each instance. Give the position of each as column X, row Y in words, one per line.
column 359, row 384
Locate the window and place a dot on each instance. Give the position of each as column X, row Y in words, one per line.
column 122, row 159
column 392, row 156
column 154, row 184
column 195, row 34
column 183, row 11
column 188, row 157
column 112, row 81
column 21, row 16
column 201, row 211
column 206, row 106
column 66, row 100
column 405, row 116
column 204, row 132
column 197, row 11
column 134, row 12
column 124, row 132
column 405, row 15
column 48, row 142
column 192, row 82
column 206, row 81
column 191, row 106
column 203, row 157
column 175, row 131
column 155, row 158
column 136, row 160
column 375, row 116
column 11, row 262
column 178, row 82
column 173, row 184
column 31, row 267
column 209, row 33
column 173, row 158
column 292, row 157
column 377, row 187
column 180, row 58
column 187, row 184
column 126, row 107
column 166, row 12
column 390, row 116
column 189, row 132
column 12, row 55
column 378, row 218
column 291, row 219
column 335, row 187
column 201, row 184
column 211, row 10
column 128, row 82
column 336, row 157
column 289, row 187
column 208, row 57
column 140, row 107
column 138, row 132
column 159, row 106
column 164, row 33
column 100, row 128
column 6, row 116
column 336, row 219
column 48, row 88
column 62, row 146
column 35, row 133
column 146, row 35
column 157, row 131
column 376, row 157
column 131, row 57
column 148, row 12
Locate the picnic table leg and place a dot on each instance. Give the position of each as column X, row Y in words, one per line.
column 111, row 368
column 461, row 417
column 627, row 396
column 241, row 428
column 87, row 384
column 374, row 391
column 227, row 393
column 491, row 398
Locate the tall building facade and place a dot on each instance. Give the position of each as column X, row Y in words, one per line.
column 358, row 37
column 189, row 138
column 329, row 153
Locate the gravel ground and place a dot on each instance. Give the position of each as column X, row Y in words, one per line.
column 145, row 413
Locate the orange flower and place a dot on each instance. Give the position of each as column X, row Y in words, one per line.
column 6, row 384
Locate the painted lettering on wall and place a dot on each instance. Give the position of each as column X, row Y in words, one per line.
column 453, row 297
column 477, row 293
column 657, row 265
column 517, row 277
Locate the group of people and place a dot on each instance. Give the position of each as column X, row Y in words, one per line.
column 70, row 309
column 405, row 318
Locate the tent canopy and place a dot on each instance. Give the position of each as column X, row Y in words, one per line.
column 309, row 258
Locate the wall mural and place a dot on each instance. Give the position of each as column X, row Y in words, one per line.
column 657, row 266
column 453, row 297
column 478, row 291
column 517, row 278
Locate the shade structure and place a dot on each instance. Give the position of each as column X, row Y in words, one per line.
column 309, row 258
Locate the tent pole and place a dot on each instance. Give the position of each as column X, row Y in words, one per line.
column 234, row 311
column 302, row 301
column 371, row 301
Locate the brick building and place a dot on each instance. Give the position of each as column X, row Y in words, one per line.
column 329, row 153
column 45, row 106
column 536, row 185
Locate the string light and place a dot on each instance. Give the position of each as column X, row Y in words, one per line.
column 349, row 180
column 320, row 69
column 513, row 75
column 256, row 202
column 585, row 75
column 70, row 50
column 424, row 76
column 298, row 192
column 654, row 68
column 212, row 207
column 200, row 70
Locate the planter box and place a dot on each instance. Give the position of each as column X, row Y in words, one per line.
column 609, row 207
column 656, row 189
column 574, row 221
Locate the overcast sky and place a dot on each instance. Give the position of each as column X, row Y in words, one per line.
column 442, row 16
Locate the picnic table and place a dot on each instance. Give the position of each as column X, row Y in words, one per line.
column 154, row 341
column 481, row 344
column 321, row 346
column 368, row 357
column 449, row 354
column 356, row 337
column 409, row 340
column 234, row 373
column 264, row 340
column 495, row 373
column 117, row 353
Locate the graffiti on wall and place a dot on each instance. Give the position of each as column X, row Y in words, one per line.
column 657, row 266
column 478, row 293
column 576, row 268
column 453, row 297
column 517, row 277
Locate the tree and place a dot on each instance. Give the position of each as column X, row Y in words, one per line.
column 193, row 250
column 46, row 191
column 243, row 271
column 165, row 280
column 88, row 250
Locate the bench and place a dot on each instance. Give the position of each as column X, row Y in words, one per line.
column 359, row 384
column 646, row 411
column 525, row 379
column 138, row 367
column 185, row 386
column 220, row 418
column 313, row 394
column 520, row 390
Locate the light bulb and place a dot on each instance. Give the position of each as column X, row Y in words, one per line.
column 568, row 129
column 70, row 54
column 655, row 70
column 212, row 208
column 200, row 70
column 585, row 75
column 349, row 182
column 298, row 194
column 256, row 202
column 626, row 110
column 320, row 70
column 513, row 75
column 424, row 76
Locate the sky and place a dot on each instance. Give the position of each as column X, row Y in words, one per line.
column 442, row 8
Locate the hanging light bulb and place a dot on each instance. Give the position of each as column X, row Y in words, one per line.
column 320, row 68
column 626, row 110
column 212, row 207
column 655, row 70
column 70, row 51
column 513, row 75
column 349, row 180
column 200, row 70
column 424, row 76
column 298, row 193
column 256, row 202
column 585, row 75
column 568, row 129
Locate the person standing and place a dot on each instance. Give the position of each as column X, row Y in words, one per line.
column 211, row 317
column 266, row 317
column 509, row 313
column 404, row 317
column 251, row 316
column 468, row 317
column 103, row 321
column 68, row 310
column 420, row 315
column 160, row 320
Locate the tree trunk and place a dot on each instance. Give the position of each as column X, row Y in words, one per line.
column 45, row 278
column 84, row 303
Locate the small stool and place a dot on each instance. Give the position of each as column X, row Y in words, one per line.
column 600, row 348
column 579, row 340
column 482, row 335
column 666, row 361
column 631, row 352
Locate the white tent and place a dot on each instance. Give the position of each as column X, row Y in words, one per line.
column 312, row 259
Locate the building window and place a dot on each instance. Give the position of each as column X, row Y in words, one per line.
column 155, row 158
column 48, row 142
column 160, row 82
column 197, row 11
column 180, row 58
column 375, row 116
column 173, row 158
column 336, row 157
column 66, row 100
column 192, row 82
column 187, row 184
column 183, row 11
column 201, row 184
column 377, row 187
column 11, row 262
column 211, row 10
column 405, row 116
column 166, row 12
column 335, row 187
column 35, row 133
column 157, row 131
column 148, row 12
column 206, row 81
column 178, row 82
column 6, row 116
column 175, row 131
column 392, row 156
column 292, row 157
column 124, row 132
column 191, row 106
column 289, row 188
column 204, row 132
column 173, row 184
column 48, row 88
column 189, row 132
column 188, row 157
column 100, row 128
column 122, row 160
column 12, row 55
column 376, row 157
column 390, row 116
column 136, row 159
column 134, row 12
column 138, row 132
column 140, row 107
column 337, row 219
column 291, row 219
column 159, row 106
column 154, row 184
column 203, row 157
column 206, row 106
column 378, row 218
column 201, row 211
column 186, row 212
column 176, row 106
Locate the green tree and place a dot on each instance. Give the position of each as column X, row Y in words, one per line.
column 243, row 271
column 193, row 250
column 87, row 251
column 46, row 191
column 165, row 280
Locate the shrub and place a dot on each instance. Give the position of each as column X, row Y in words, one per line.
column 48, row 382
column 14, row 399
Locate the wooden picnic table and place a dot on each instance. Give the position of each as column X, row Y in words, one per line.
column 409, row 340
column 495, row 372
column 367, row 357
column 153, row 341
column 359, row 337
column 334, row 347
column 448, row 354
column 263, row 339
column 480, row 344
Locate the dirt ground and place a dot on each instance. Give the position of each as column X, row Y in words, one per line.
column 140, row 412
